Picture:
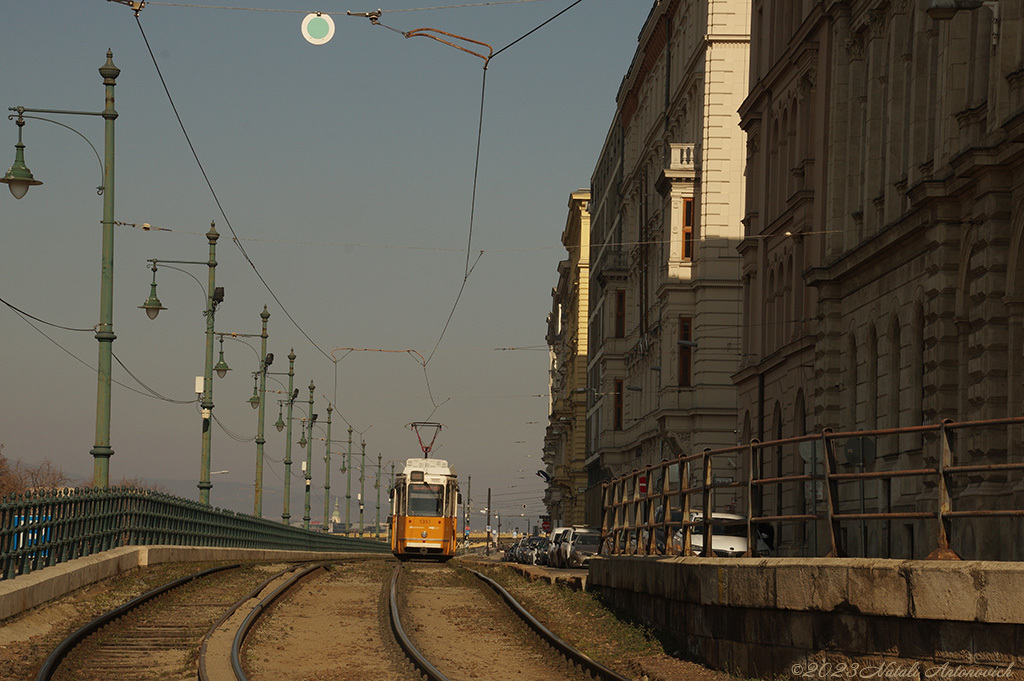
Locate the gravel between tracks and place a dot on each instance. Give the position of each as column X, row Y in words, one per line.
column 468, row 632
column 334, row 628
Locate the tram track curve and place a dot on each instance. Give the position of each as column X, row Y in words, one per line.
column 156, row 634
column 235, row 608
column 580, row 663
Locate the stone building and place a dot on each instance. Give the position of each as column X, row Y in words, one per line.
column 666, row 212
column 565, row 438
column 883, row 283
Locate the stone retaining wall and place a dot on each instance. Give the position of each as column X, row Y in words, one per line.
column 828, row 618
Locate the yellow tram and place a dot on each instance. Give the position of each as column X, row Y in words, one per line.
column 424, row 505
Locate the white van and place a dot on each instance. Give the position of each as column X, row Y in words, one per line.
column 728, row 540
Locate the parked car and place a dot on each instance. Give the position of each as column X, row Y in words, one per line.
column 510, row 552
column 583, row 545
column 728, row 536
column 541, row 552
column 528, row 550
column 554, row 541
column 562, row 554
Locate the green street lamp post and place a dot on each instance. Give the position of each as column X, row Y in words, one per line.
column 18, row 179
column 327, row 473
column 348, row 485
column 258, row 399
column 260, row 441
column 362, row 488
column 376, row 484
column 214, row 297
column 309, row 454
column 280, row 425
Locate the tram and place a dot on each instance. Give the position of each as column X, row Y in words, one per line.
column 424, row 504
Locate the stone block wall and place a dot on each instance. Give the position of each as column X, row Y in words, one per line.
column 828, row 618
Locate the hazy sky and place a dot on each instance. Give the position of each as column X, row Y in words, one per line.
column 346, row 173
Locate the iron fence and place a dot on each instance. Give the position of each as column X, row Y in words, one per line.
column 659, row 510
column 47, row 527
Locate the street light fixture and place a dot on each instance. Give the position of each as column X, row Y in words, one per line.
column 221, row 367
column 214, row 297
column 18, row 179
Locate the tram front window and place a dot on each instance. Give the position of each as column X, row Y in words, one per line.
column 426, row 500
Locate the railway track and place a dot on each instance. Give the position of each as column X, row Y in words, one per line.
column 153, row 636
column 478, row 638
column 232, row 624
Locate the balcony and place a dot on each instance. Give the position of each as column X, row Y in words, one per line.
column 681, row 157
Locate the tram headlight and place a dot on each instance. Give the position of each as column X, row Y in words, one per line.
column 423, row 534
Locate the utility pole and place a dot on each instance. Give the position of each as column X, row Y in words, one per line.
column 488, row 526
column 309, row 454
column 348, row 485
column 265, row 361
column 377, row 485
column 292, row 394
column 468, row 508
column 327, row 473
column 362, row 488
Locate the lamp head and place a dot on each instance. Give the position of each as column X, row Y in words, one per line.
column 152, row 306
column 221, row 367
column 19, row 178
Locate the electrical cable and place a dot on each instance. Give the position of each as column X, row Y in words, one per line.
column 303, row 11
column 43, row 321
column 216, row 198
column 152, row 394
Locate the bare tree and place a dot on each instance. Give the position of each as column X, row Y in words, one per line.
column 18, row 477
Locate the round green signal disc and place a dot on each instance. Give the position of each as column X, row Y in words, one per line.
column 318, row 29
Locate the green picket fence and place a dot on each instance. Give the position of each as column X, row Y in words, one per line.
column 47, row 527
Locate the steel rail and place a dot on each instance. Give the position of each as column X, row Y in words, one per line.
column 250, row 619
column 417, row 658
column 588, row 664
column 203, row 674
column 49, row 668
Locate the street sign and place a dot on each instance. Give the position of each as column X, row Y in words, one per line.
column 546, row 526
column 318, row 28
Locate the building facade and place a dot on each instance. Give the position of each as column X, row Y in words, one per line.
column 565, row 438
column 666, row 212
column 883, row 280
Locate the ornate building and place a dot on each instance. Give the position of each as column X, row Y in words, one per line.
column 883, row 279
column 565, row 440
column 666, row 222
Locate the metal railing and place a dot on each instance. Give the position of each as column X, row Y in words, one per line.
column 655, row 510
column 47, row 527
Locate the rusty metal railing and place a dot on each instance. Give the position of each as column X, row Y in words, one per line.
column 657, row 509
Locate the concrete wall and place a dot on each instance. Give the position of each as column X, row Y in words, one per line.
column 793, row 617
column 28, row 591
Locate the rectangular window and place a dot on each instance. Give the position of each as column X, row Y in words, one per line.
column 687, row 229
column 620, row 313
column 685, row 350
column 426, row 500
column 618, row 405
